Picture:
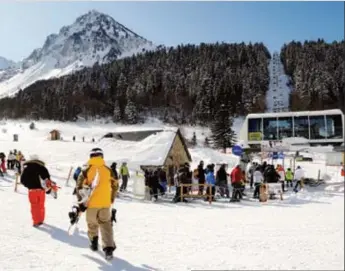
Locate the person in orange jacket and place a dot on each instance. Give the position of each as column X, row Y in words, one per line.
column 96, row 192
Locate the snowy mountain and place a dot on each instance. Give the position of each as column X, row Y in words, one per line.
column 6, row 64
column 93, row 37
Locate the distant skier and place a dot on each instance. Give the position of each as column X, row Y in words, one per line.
column 75, row 177
column 258, row 179
column 124, row 173
column 3, row 162
column 299, row 178
column 36, row 178
column 222, row 181
column 96, row 191
column 113, row 168
column 289, row 177
column 201, row 177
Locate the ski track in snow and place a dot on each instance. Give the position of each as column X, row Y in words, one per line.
column 305, row 231
column 277, row 96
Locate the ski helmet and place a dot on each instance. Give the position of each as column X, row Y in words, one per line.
column 96, row 152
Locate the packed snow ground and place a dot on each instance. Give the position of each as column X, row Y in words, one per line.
column 305, row 231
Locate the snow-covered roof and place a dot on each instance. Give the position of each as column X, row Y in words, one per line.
column 300, row 113
column 152, row 151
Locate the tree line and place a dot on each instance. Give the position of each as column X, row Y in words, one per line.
column 208, row 84
column 317, row 72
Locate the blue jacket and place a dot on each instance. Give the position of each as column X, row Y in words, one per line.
column 210, row 179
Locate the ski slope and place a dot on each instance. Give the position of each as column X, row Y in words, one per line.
column 277, row 96
column 305, row 231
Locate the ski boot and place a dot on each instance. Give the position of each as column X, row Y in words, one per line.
column 94, row 244
column 108, row 251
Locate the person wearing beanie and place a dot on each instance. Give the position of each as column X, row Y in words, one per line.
column 96, row 191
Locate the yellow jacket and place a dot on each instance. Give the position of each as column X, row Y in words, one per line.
column 104, row 192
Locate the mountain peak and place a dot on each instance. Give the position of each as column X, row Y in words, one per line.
column 88, row 40
column 6, row 63
column 94, row 37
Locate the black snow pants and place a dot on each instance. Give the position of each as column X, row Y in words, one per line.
column 124, row 183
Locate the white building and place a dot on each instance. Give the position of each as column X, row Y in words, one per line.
column 317, row 127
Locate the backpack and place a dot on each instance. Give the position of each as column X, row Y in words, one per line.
column 76, row 173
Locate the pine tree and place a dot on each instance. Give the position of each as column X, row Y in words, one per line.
column 223, row 136
column 117, row 112
column 131, row 112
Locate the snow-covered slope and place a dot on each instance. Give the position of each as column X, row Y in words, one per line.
column 93, row 37
column 304, row 231
column 277, row 96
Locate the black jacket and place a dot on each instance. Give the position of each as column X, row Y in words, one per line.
column 153, row 180
column 33, row 172
column 270, row 175
column 221, row 176
column 113, row 168
column 201, row 173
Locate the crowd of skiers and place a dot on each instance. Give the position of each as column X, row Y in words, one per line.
column 14, row 161
column 209, row 182
column 97, row 186
column 266, row 173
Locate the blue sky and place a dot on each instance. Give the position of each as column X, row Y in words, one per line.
column 24, row 26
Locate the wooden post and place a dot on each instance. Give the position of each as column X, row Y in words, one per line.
column 69, row 175
column 16, row 183
column 318, row 175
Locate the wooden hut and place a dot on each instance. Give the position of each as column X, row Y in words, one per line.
column 55, row 135
column 173, row 157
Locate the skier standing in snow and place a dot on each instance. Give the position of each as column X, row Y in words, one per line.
column 75, row 177
column 222, row 181
column 97, row 188
column 201, row 176
column 34, row 171
column 211, row 181
column 289, row 177
column 258, row 179
column 298, row 177
column 236, row 182
column 113, row 168
column 124, row 172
